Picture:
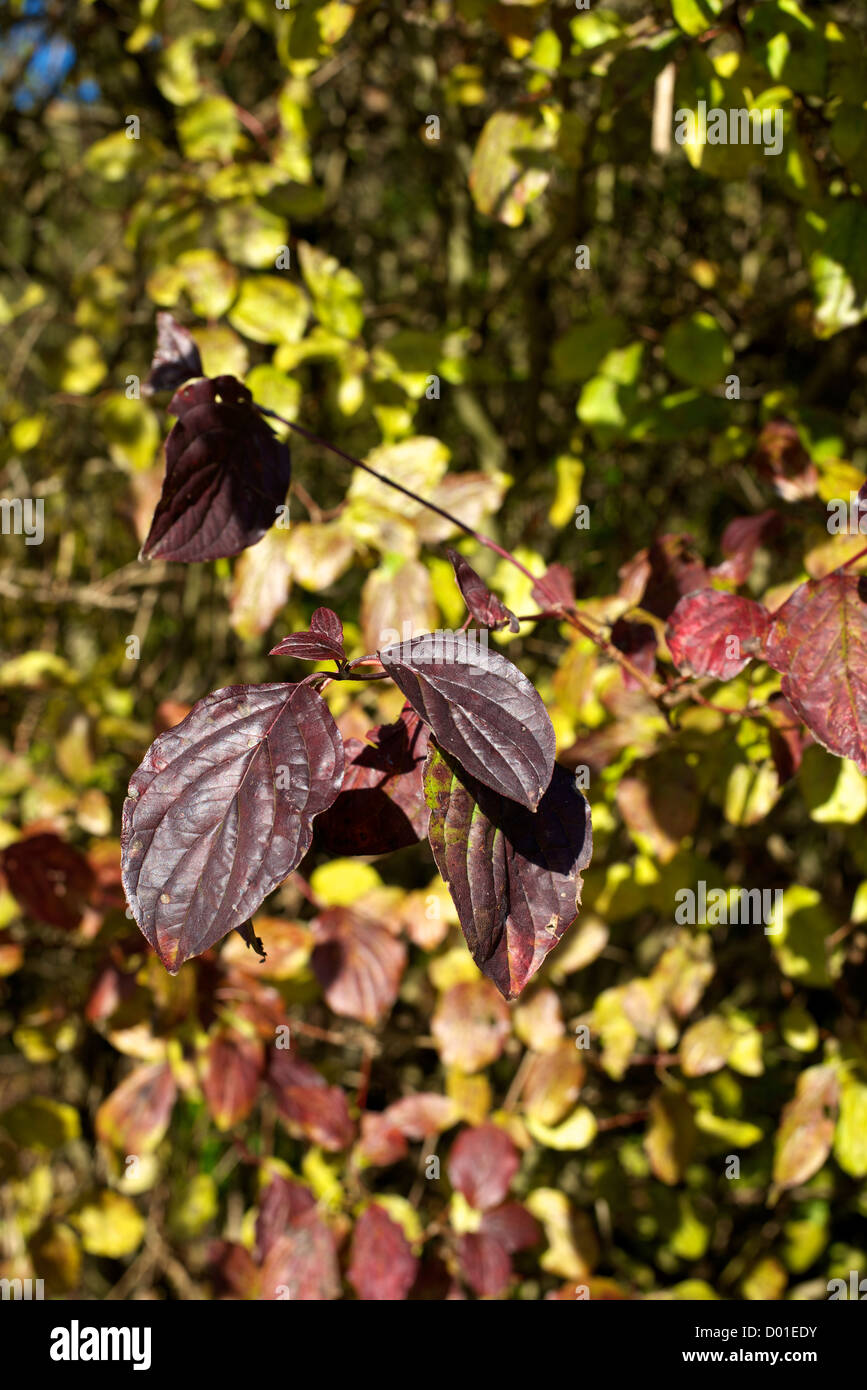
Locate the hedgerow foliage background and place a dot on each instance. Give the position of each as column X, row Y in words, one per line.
column 414, row 291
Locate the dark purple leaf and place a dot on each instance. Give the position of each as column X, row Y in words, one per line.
column 381, row 806
column 176, row 358
column 485, row 1264
column 323, row 642
column 481, row 709
column 253, row 942
column 788, row 738
column 486, row 608
column 382, row 1266
column 715, row 634
column 482, row 1165
column 514, row 874
column 656, row 578
column 221, row 811
column 226, row 475
column 818, row 642
column 50, row 879
column 638, row 642
column 358, row 963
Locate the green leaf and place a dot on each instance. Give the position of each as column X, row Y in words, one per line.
column 336, row 291
column 512, row 164
column 697, row 351
column 270, row 310
column 784, row 38
column 837, row 248
column 695, row 16
column 850, row 1136
column 577, row 353
column 798, row 935
column 251, row 235
column 209, row 129
column 210, row 281
column 41, row 1123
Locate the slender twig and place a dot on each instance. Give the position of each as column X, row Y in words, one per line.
column 568, row 612
column 399, row 487
column 855, row 558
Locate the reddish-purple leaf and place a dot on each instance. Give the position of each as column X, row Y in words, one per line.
column 740, row 541
column 358, row 963
column 381, row 1141
column 512, row 1225
column 323, row 641
column 135, row 1117
column 481, row 709
column 638, row 642
column 715, row 634
column 656, row 578
column 485, row 1264
column 381, row 806
column 818, row 642
column 233, row 1066
column 176, row 358
column 111, row 988
column 435, row 1283
column 50, row 879
column 486, row 608
column 308, row 1106
column 285, row 1069
column 514, row 874
column 226, row 475
column 301, row 1266
column 382, row 1267
column 788, row 737
column 482, row 1165
column 555, row 588
column 384, row 1136
column 317, row 1113
column 782, row 459
column 237, row 1274
column 221, row 811
column 283, row 1202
